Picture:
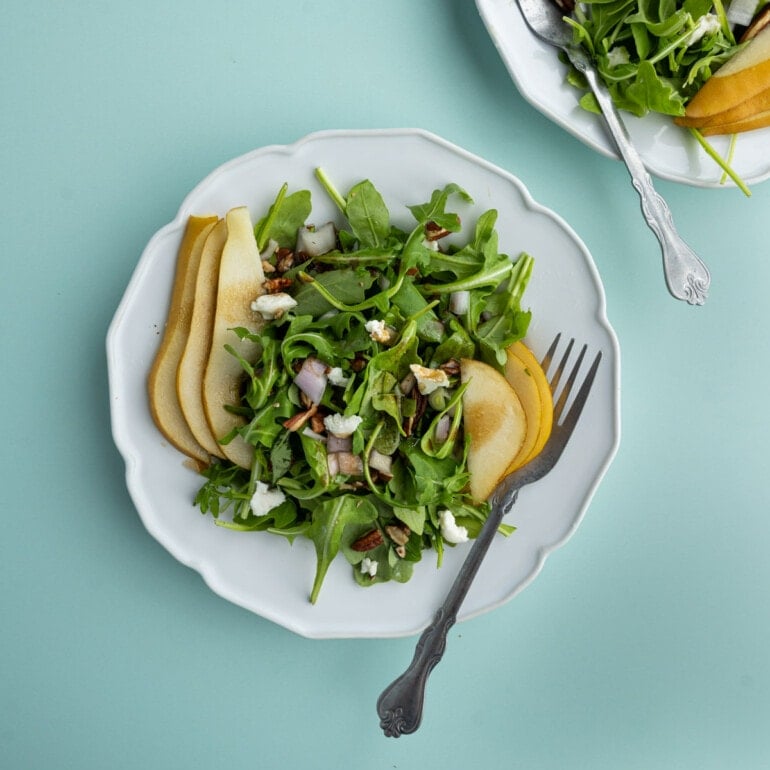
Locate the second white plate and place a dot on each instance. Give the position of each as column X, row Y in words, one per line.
column 667, row 150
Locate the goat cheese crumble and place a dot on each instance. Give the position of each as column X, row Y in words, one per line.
column 265, row 499
column 379, row 331
column 272, row 306
column 337, row 378
column 450, row 531
column 429, row 379
column 341, row 426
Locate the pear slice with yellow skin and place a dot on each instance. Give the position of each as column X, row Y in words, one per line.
column 520, row 378
column 531, row 365
column 161, row 384
column 739, row 81
column 750, row 123
column 192, row 364
column 241, row 280
column 746, row 110
column 495, row 422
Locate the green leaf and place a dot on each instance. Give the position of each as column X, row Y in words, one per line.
column 367, row 215
column 327, row 527
column 348, row 286
column 287, row 214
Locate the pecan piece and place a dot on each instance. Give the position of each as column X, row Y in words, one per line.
column 284, row 260
column 434, row 232
column 276, row 285
column 398, row 533
column 368, row 541
column 451, row 367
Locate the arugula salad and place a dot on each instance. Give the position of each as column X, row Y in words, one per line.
column 653, row 55
column 354, row 407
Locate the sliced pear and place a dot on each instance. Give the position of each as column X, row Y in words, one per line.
column 748, row 108
column 192, row 364
column 533, row 368
column 161, row 383
column 495, row 422
column 241, row 280
column 742, row 78
column 521, row 380
column 759, row 120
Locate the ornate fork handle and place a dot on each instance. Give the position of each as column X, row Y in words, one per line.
column 400, row 704
column 687, row 277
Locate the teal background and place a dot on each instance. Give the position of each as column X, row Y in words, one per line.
column 644, row 642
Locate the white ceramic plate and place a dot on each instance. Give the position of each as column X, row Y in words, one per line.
column 265, row 573
column 667, row 150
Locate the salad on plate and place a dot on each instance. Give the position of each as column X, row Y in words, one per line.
column 363, row 386
column 671, row 57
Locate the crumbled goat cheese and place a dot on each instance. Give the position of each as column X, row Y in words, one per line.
column 265, row 499
column 707, row 24
column 335, row 377
column 428, row 379
column 617, row 56
column 271, row 306
column 369, row 566
column 379, row 331
column 449, row 529
column 342, row 426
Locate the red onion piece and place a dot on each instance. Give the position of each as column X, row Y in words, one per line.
column 311, row 379
column 381, row 462
column 344, row 463
column 337, row 444
column 317, row 241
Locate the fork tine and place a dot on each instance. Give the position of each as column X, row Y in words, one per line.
column 548, row 357
column 582, row 395
column 560, row 369
column 558, row 407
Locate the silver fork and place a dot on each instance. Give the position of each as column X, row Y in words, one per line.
column 687, row 277
column 400, row 704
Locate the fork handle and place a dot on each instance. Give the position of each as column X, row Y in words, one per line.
column 687, row 277
column 400, row 704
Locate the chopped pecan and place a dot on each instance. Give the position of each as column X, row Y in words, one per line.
column 296, row 421
column 358, row 364
column 434, row 232
column 284, row 260
column 317, row 423
column 276, row 285
column 368, row 541
column 451, row 367
column 398, row 533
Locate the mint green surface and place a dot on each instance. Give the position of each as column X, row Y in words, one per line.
column 642, row 645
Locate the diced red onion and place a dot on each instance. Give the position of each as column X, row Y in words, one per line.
column 381, row 462
column 337, row 444
column 459, row 302
column 270, row 248
column 311, row 379
column 316, row 241
column 407, row 384
column 442, row 427
column 344, row 463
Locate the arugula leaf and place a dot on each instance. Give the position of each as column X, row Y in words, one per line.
column 328, row 525
column 348, row 286
column 435, row 209
column 287, row 214
column 367, row 215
